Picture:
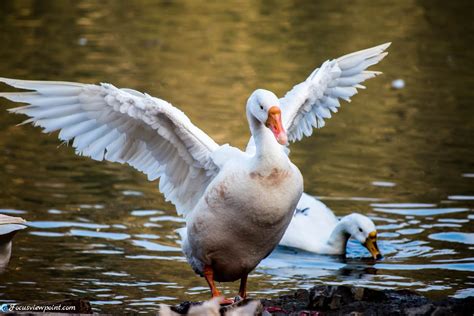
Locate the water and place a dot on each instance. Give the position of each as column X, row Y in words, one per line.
column 403, row 157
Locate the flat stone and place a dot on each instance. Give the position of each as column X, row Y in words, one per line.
column 419, row 310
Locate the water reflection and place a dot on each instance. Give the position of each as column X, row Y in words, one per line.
column 465, row 238
column 421, row 211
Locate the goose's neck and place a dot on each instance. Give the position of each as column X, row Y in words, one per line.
column 267, row 149
column 339, row 236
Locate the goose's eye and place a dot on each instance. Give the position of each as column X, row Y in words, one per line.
column 261, row 107
column 360, row 229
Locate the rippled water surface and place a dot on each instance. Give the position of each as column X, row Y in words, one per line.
column 403, row 157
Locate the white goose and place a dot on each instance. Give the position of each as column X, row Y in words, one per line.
column 237, row 204
column 315, row 228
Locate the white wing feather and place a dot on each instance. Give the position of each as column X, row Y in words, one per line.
column 307, row 104
column 126, row 126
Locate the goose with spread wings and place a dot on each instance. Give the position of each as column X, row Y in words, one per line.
column 237, row 205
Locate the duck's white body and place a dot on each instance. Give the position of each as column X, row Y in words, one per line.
column 311, row 226
column 315, row 228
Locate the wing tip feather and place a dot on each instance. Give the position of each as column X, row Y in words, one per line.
column 5, row 80
column 373, row 72
column 386, row 45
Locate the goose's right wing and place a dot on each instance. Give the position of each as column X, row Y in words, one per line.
column 309, row 103
column 126, row 126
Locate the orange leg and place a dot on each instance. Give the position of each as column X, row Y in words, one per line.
column 209, row 276
column 243, row 287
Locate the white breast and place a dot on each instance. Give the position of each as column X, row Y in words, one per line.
column 242, row 217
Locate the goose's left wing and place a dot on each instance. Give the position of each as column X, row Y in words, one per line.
column 126, row 126
column 307, row 104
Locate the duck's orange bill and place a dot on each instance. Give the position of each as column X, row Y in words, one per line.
column 274, row 124
column 371, row 245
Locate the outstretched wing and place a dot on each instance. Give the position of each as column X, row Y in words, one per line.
column 307, row 104
column 126, row 126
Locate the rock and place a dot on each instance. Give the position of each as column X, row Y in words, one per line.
column 286, row 304
column 345, row 300
column 441, row 311
column 333, row 297
column 419, row 310
column 318, row 301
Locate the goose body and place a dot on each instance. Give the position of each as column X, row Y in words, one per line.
column 227, row 232
column 315, row 228
column 237, row 204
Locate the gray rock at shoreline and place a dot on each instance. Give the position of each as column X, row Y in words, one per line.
column 345, row 300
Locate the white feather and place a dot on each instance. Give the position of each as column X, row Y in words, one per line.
column 78, row 129
column 335, row 79
column 127, row 126
column 53, row 124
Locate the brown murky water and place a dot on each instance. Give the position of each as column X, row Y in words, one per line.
column 403, row 157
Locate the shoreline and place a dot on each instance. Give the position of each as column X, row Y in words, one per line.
column 347, row 300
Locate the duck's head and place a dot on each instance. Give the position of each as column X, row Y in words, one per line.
column 264, row 106
column 363, row 229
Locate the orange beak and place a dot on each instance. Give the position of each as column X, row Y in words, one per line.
column 274, row 124
column 371, row 245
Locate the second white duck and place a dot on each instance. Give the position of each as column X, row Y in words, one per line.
column 315, row 228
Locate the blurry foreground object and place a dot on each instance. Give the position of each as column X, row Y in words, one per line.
column 213, row 308
column 9, row 225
